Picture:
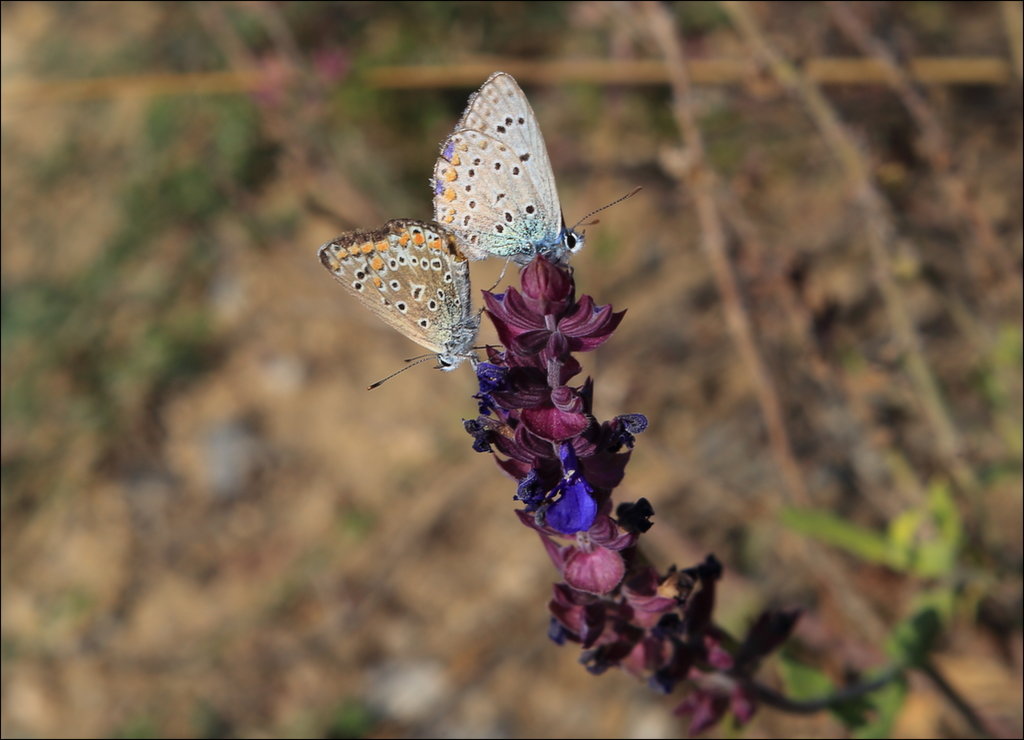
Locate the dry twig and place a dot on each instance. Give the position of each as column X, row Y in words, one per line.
column 702, row 181
column 880, row 233
column 1013, row 22
column 722, row 71
column 937, row 150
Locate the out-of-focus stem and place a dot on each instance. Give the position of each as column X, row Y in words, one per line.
column 938, row 152
column 879, row 231
column 702, row 181
column 1013, row 22
column 955, row 698
column 777, row 700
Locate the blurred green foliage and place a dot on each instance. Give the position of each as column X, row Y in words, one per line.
column 350, row 720
column 868, row 716
column 923, row 541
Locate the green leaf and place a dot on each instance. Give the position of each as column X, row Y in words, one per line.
column 350, row 720
column 885, row 705
column 903, row 530
column 914, row 638
column 864, row 543
column 924, row 541
column 801, row 681
column 945, row 513
column 939, row 531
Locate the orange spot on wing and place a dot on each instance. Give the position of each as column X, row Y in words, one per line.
column 382, row 246
column 377, row 263
column 367, row 248
column 450, row 174
column 435, row 244
column 449, row 194
column 404, row 239
column 455, row 159
column 354, row 251
column 378, row 282
column 418, row 238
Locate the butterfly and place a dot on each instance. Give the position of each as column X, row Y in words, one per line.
column 412, row 275
column 493, row 185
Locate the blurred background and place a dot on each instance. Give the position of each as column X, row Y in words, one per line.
column 211, row 529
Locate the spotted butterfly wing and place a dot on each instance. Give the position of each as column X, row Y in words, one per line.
column 493, row 184
column 411, row 275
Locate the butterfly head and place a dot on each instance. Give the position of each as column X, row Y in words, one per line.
column 447, row 361
column 569, row 243
column 572, row 240
column 456, row 349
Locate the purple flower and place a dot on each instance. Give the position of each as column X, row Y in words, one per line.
column 539, row 425
column 491, row 378
column 574, row 507
column 636, row 517
column 331, row 64
column 545, row 322
column 770, row 630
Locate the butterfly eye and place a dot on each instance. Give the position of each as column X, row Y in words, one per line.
column 570, row 240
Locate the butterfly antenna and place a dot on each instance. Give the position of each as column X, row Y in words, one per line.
column 627, row 196
column 501, row 276
column 412, row 363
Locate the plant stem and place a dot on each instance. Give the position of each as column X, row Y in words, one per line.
column 777, row 700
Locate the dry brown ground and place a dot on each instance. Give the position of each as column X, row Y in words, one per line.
column 260, row 547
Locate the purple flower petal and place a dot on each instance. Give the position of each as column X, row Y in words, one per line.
column 530, row 342
column 547, row 289
column 717, row 656
column 618, row 432
column 605, row 533
column 514, row 468
column 557, row 553
column 705, row 708
column 589, row 326
column 557, row 633
column 604, row 470
column 575, row 510
column 702, row 603
column 566, row 399
column 555, row 425
column 531, row 490
column 769, row 631
column 635, row 517
column 511, row 310
column 643, row 593
column 481, row 434
column 743, row 704
column 597, row 572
